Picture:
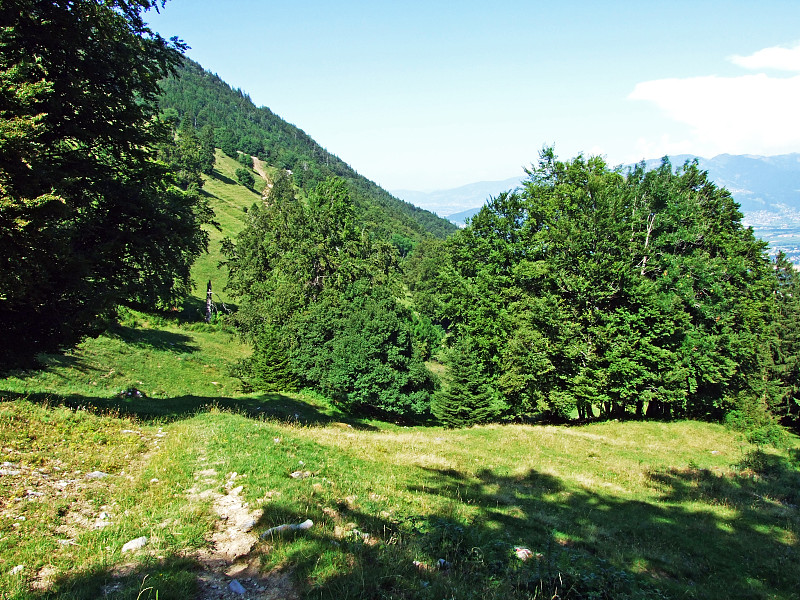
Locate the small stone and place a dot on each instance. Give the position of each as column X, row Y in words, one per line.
column 154, row 480
column 236, row 587
column 96, row 475
column 16, row 570
column 136, row 544
column 248, row 525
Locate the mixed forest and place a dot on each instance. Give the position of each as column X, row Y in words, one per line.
column 589, row 292
column 371, row 403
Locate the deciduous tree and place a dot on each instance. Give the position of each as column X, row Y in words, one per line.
column 88, row 216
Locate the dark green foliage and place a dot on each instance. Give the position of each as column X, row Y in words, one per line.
column 356, row 347
column 268, row 369
column 466, row 398
column 786, row 370
column 88, row 216
column 427, row 335
column 589, row 289
column 245, row 177
column 239, row 126
column 314, row 285
column 403, row 244
column 245, row 159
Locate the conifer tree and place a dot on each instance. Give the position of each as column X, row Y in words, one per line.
column 466, row 399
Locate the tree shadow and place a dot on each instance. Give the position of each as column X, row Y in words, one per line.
column 264, row 406
column 679, row 541
column 535, row 535
column 154, row 339
column 698, row 535
column 223, row 178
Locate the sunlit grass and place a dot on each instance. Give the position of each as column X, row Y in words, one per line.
column 606, row 510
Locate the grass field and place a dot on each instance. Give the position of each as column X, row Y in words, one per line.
column 609, row 510
column 145, row 433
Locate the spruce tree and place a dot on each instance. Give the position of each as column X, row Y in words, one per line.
column 466, row 399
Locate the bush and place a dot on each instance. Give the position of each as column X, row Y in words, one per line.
column 245, row 177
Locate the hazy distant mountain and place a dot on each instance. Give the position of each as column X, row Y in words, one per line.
column 766, row 187
column 450, row 203
column 758, row 183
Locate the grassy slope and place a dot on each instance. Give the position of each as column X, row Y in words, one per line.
column 229, row 200
column 679, row 510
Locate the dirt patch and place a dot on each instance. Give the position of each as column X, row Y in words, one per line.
column 231, row 562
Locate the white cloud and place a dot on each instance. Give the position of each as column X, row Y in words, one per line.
column 754, row 113
column 776, row 57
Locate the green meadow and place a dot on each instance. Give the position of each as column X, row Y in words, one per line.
column 607, row 510
column 145, row 432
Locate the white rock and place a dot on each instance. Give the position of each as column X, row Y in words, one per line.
column 136, row 544
column 17, row 569
column 248, row 525
column 96, row 475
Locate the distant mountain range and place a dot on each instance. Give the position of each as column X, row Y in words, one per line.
column 766, row 187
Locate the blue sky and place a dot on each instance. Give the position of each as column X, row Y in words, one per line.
column 432, row 95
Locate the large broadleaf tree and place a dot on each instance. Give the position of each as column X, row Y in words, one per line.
column 89, row 217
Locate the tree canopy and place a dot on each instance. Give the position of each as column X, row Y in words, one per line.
column 628, row 293
column 89, row 217
column 317, row 294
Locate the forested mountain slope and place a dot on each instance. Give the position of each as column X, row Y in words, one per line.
column 210, row 104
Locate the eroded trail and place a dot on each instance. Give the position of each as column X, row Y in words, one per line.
column 230, row 564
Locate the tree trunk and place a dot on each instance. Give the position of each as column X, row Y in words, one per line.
column 209, row 302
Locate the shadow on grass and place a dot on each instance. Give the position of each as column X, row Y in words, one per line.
column 223, row 178
column 264, row 406
column 154, row 339
column 583, row 543
column 171, row 578
column 678, row 542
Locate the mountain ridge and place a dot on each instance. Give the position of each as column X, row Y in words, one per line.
column 203, row 99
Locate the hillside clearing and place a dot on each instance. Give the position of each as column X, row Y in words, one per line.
column 640, row 510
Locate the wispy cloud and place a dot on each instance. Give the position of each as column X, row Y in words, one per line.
column 753, row 113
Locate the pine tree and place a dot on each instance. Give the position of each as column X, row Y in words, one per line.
column 466, row 400
column 269, row 369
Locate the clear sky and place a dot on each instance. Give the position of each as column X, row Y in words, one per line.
column 428, row 95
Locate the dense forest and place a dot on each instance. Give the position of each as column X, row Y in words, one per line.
column 630, row 294
column 229, row 116
column 587, row 293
